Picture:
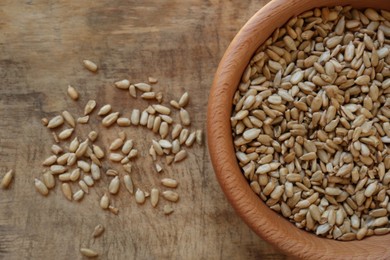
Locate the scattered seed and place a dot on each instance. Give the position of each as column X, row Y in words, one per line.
column 170, row 196
column 128, row 183
column 72, row 92
column 67, row 191
column 55, row 122
column 98, row 151
column 69, row 118
column 123, row 84
column 87, row 252
column 169, row 183
column 135, row 116
column 105, row 201
column 116, row 157
column 78, row 195
column 98, row 231
column 6, row 181
column 183, row 101
column 110, row 119
column 114, row 185
column 180, row 156
column 123, row 122
column 185, row 117
column 162, row 109
column 65, row 134
column 168, row 210
column 140, row 196
column 93, row 135
column 90, row 65
column 143, row 87
column 89, row 107
column 83, row 120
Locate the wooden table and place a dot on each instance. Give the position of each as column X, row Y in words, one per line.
column 42, row 45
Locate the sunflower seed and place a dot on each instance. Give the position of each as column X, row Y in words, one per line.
column 169, row 183
column 87, row 252
column 6, row 180
column 143, row 87
column 40, row 187
column 55, row 122
column 122, row 84
column 170, row 196
column 180, row 156
column 78, row 195
column 110, row 119
column 65, row 134
column 154, row 197
column 88, row 180
column 67, row 191
column 128, row 183
column 168, row 210
column 140, row 197
column 72, row 92
column 183, row 101
column 90, row 65
column 162, row 109
column 69, row 118
column 114, row 185
column 105, row 201
column 135, row 116
column 185, row 117
column 104, row 110
column 89, row 107
column 83, row 120
column 98, row 231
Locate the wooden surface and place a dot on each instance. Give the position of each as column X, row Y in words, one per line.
column 42, row 44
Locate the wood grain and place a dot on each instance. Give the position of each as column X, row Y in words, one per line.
column 42, row 45
column 265, row 222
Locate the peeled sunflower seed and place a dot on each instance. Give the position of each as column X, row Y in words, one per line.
column 184, row 117
column 105, row 201
column 183, row 101
column 41, row 187
column 83, row 120
column 69, row 118
column 67, row 191
column 87, row 252
column 48, row 180
column 180, row 156
column 170, row 196
column 128, row 183
column 110, row 119
column 122, row 84
column 78, row 195
column 55, row 122
column 65, row 134
column 143, row 87
column 6, row 180
column 84, row 186
column 89, row 107
column 114, row 185
column 154, row 197
column 168, row 210
column 104, row 110
column 116, row 144
column 72, row 92
column 170, row 183
column 140, row 196
column 98, row 231
column 91, row 66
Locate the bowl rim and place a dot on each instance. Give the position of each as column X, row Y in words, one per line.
column 280, row 233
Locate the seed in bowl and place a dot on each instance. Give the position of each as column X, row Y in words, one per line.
column 311, row 125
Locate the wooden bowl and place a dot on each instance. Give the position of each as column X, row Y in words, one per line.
column 266, row 223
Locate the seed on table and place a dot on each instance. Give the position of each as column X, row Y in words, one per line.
column 127, row 146
column 110, row 119
column 65, row 134
column 88, row 180
column 87, row 252
column 78, row 195
column 191, row 139
column 170, row 196
column 111, row 172
column 169, row 159
column 144, row 118
column 158, row 168
column 63, row 159
column 113, row 210
column 154, row 197
column 104, row 110
column 75, row 174
column 140, row 197
column 69, row 118
column 199, row 137
column 164, row 130
column 84, row 186
column 57, row 169
column 176, row 131
column 95, row 172
column 55, row 122
column 168, row 182
column 64, row 177
column 122, row 84
column 132, row 91
column 152, row 80
column 123, row 121
column 98, row 151
column 45, row 121
column 41, row 187
column 150, row 122
column 308, row 156
column 184, row 117
column 98, row 231
column 127, row 167
column 84, row 166
column 115, row 157
column 116, row 144
column 157, row 148
column 72, row 92
column 89, row 107
column 174, row 104
column 113, row 188
column 128, row 183
column 50, row 160
column 105, row 201
column 168, row 210
column 83, row 120
column 156, row 124
column 183, row 135
column 180, row 156
column 165, row 144
column 6, row 180
column 133, row 153
column 183, row 101
column 135, row 117
column 67, row 191
column 91, row 66
column 143, row 87
column 175, row 146
column 148, row 95
column 162, row 109
column 56, row 149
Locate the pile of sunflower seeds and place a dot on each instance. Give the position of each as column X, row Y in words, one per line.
column 311, row 122
column 77, row 162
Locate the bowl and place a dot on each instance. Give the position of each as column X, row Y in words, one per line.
column 269, row 225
